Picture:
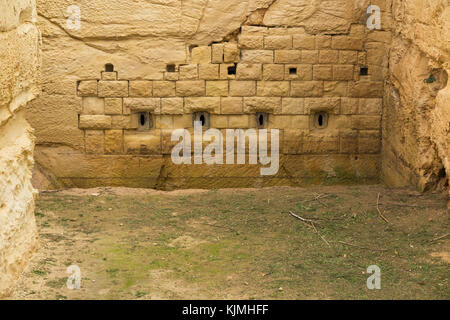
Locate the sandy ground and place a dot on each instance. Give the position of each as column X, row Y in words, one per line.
column 239, row 243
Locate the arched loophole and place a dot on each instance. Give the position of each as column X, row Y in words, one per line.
column 321, row 120
column 109, row 67
column 203, row 118
column 262, row 120
column 144, row 121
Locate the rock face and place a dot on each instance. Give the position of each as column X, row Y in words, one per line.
column 416, row 120
column 19, row 61
column 291, row 60
column 119, row 76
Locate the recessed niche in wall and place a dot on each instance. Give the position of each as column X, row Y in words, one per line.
column 364, row 71
column 170, row 68
column 232, row 70
column 321, row 120
column 262, row 120
column 144, row 121
column 292, row 71
column 203, row 117
column 109, row 67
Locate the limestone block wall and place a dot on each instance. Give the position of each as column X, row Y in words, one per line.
column 290, row 60
column 416, row 121
column 19, row 61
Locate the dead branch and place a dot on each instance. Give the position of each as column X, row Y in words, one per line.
column 308, row 220
column 379, row 211
column 309, row 223
column 305, row 221
column 441, row 237
column 320, row 235
column 317, row 198
column 360, row 247
column 298, row 217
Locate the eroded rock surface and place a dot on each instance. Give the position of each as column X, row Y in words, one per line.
column 19, row 61
column 416, row 121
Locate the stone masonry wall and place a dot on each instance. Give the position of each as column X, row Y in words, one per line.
column 19, row 65
column 289, row 59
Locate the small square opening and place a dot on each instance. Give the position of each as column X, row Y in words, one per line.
column 232, row 70
column 292, row 71
column 109, row 67
column 170, row 68
column 364, row 71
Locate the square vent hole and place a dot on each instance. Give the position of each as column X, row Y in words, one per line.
column 232, row 70
column 170, row 68
column 109, row 67
column 364, row 71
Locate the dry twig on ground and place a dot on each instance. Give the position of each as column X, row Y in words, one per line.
column 318, row 197
column 379, row 211
column 440, row 237
column 309, row 223
column 298, row 217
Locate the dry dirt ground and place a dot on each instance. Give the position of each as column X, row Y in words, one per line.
column 240, row 243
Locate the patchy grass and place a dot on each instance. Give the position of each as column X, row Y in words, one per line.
column 225, row 244
column 39, row 272
column 57, row 283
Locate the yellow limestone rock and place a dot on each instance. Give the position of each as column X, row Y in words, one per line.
column 416, row 125
column 19, row 65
